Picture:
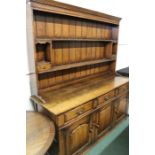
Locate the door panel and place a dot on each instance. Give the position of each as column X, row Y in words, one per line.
column 120, row 107
column 78, row 136
column 105, row 118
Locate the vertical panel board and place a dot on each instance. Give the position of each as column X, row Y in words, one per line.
column 65, row 52
column 40, row 25
column 57, row 27
column 49, row 26
column 84, row 29
column 78, row 51
column 65, row 28
column 58, row 53
column 97, row 50
column 93, row 50
column 72, row 28
column 94, row 31
column 89, row 30
column 78, row 29
column 72, row 51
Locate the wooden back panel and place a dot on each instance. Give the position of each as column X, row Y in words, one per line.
column 58, row 77
column 62, row 40
column 60, row 26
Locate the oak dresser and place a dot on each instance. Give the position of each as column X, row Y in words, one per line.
column 72, row 59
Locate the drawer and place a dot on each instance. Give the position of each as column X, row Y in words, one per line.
column 78, row 111
column 123, row 88
column 106, row 97
column 43, row 66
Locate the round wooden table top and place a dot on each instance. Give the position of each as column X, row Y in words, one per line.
column 40, row 133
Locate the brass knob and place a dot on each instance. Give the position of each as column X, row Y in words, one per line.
column 106, row 98
column 80, row 111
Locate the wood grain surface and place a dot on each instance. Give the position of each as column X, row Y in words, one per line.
column 61, row 100
column 40, row 133
column 75, row 60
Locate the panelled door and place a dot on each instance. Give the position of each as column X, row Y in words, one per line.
column 78, row 135
column 120, row 107
column 104, row 119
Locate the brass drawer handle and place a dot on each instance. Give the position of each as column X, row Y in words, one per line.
column 106, row 98
column 81, row 111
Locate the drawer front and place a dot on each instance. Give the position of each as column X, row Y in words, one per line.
column 106, row 97
column 123, row 88
column 78, row 111
column 43, row 67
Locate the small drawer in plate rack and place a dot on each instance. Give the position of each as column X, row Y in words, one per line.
column 43, row 66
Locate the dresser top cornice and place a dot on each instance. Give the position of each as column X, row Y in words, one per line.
column 71, row 10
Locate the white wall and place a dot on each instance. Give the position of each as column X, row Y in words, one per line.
column 113, row 7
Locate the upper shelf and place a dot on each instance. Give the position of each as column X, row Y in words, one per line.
column 74, row 65
column 45, row 40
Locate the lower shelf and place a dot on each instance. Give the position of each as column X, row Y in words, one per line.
column 74, row 65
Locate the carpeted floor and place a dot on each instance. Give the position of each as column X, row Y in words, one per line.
column 120, row 146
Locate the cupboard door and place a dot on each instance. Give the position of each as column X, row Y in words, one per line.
column 120, row 107
column 104, row 118
column 78, row 136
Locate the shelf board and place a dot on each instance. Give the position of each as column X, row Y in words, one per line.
column 74, row 65
column 45, row 40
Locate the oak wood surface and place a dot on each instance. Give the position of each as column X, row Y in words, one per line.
column 120, row 107
column 66, row 9
column 40, row 133
column 59, row 101
column 65, row 27
column 45, row 40
column 78, row 135
column 104, row 118
column 92, row 126
column 75, row 62
column 74, row 65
